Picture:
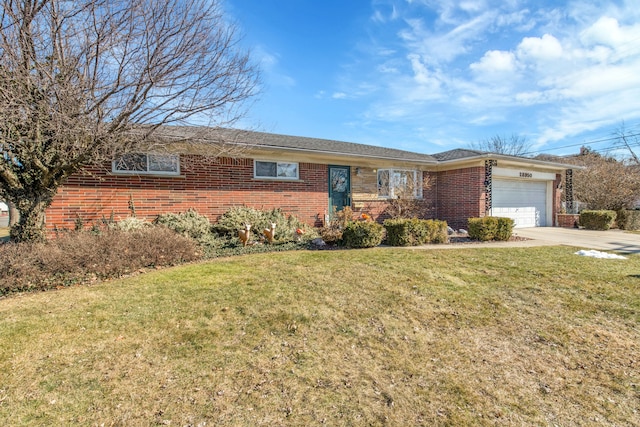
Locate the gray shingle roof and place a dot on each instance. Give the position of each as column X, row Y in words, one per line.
column 298, row 143
column 457, row 154
column 207, row 135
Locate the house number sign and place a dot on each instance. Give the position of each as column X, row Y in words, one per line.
column 526, row 175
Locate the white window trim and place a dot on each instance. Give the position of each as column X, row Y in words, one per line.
column 277, row 178
column 417, row 176
column 116, row 171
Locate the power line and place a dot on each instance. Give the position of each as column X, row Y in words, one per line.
column 596, row 141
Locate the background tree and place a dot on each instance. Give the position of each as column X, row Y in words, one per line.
column 514, row 145
column 605, row 182
column 629, row 140
column 82, row 81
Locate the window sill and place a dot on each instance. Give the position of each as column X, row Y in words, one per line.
column 150, row 175
column 277, row 179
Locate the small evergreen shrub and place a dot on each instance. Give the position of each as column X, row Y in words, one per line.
column 413, row 232
column 399, row 232
column 235, row 218
column 189, row 223
column 288, row 227
column 130, row 223
column 597, row 220
column 504, row 229
column 490, row 228
column 628, row 220
column 437, row 231
column 362, row 234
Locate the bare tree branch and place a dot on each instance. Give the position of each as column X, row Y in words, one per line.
column 76, row 77
column 515, row 145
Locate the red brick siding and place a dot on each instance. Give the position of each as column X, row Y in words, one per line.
column 568, row 220
column 208, row 186
column 460, row 195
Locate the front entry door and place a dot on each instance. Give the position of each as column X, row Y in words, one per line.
column 339, row 187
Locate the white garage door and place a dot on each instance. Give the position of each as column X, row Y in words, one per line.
column 523, row 201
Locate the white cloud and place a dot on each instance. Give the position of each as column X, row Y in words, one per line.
column 495, row 61
column 339, row 95
column 516, row 66
column 604, row 31
column 547, row 48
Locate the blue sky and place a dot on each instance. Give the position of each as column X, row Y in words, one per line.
column 433, row 75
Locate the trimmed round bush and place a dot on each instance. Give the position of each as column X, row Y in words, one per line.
column 490, row 228
column 597, row 220
column 362, row 234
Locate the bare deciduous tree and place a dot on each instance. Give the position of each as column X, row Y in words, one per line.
column 84, row 80
column 515, row 145
column 629, row 140
column 406, row 200
column 605, row 182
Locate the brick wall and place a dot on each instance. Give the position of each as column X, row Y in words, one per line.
column 568, row 220
column 210, row 186
column 460, row 195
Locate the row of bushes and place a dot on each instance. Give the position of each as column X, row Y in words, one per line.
column 360, row 231
column 84, row 257
column 111, row 249
column 605, row 219
column 413, row 232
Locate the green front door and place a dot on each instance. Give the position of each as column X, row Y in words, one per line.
column 339, row 187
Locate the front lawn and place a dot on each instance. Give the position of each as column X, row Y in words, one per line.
column 470, row 336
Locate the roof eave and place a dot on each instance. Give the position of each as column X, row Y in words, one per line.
column 513, row 159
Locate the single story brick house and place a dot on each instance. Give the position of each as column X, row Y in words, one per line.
column 309, row 178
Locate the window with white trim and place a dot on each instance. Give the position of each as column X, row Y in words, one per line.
column 275, row 170
column 393, row 183
column 150, row 164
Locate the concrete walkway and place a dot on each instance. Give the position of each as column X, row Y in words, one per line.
column 610, row 240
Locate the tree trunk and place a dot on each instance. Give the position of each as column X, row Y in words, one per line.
column 30, row 226
column 14, row 215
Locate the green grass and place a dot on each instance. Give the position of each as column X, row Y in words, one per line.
column 535, row 336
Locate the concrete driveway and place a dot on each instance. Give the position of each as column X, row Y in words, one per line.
column 610, row 240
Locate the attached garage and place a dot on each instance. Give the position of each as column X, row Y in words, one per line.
column 524, row 197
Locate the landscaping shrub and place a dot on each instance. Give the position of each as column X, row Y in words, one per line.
column 597, row 220
column 490, row 228
column 504, row 230
column 287, row 226
column 412, row 232
column 628, row 220
column 399, row 232
column 129, row 224
column 189, row 223
column 78, row 257
column 331, row 233
column 234, row 219
column 362, row 234
column 437, row 231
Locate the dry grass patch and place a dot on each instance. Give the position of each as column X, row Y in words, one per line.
column 533, row 336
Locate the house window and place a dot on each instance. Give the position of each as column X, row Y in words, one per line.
column 394, row 183
column 275, row 170
column 154, row 164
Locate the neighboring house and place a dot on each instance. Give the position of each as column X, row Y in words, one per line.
column 309, row 178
